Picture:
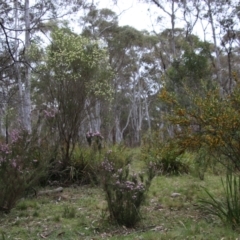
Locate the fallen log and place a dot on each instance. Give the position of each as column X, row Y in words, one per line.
column 48, row 192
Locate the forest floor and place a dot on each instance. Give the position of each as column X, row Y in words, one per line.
column 80, row 212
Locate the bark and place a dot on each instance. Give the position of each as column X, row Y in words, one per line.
column 216, row 49
column 137, row 111
column 27, row 95
column 172, row 15
column 16, row 66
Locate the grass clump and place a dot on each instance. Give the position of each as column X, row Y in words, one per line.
column 69, row 212
column 227, row 209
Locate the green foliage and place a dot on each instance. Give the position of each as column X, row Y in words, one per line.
column 125, row 192
column 189, row 71
column 168, row 157
column 23, row 164
column 75, row 58
column 3, row 236
column 75, row 75
column 85, row 163
column 84, row 166
column 210, row 121
column 201, row 162
column 119, row 155
column 228, row 208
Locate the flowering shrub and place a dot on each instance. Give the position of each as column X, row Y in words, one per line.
column 21, row 167
column 125, row 192
column 211, row 121
column 95, row 140
column 119, row 155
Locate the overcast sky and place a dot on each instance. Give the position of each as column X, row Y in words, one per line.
column 131, row 12
column 143, row 16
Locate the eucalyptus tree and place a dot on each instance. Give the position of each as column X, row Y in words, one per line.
column 8, row 96
column 169, row 9
column 219, row 20
column 21, row 23
column 228, row 20
column 101, row 24
column 76, row 74
column 189, row 72
column 130, row 56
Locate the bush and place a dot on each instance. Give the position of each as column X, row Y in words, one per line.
column 119, row 155
column 125, row 192
column 85, row 164
column 22, row 165
column 228, row 208
column 210, row 121
column 167, row 156
column 201, row 162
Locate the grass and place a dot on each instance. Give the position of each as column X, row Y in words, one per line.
column 81, row 213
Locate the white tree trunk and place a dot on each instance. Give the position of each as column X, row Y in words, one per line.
column 17, row 72
column 137, row 110
column 218, row 63
column 27, row 95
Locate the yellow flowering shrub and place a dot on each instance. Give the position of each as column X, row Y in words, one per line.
column 210, row 120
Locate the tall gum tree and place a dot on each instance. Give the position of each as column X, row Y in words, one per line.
column 75, row 74
column 130, row 51
column 22, row 23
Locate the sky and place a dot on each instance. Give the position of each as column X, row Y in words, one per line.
column 143, row 16
column 130, row 12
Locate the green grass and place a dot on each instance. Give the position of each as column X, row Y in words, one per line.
column 81, row 213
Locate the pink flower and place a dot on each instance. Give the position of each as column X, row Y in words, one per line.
column 14, row 135
column 50, row 113
column 14, row 163
column 4, row 148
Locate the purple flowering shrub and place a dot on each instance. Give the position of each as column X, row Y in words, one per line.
column 21, row 166
column 125, row 192
column 94, row 140
column 119, row 155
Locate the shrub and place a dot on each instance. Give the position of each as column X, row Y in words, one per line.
column 22, row 165
column 210, row 121
column 125, row 192
column 82, row 168
column 119, row 155
column 168, row 156
column 201, row 163
column 85, row 164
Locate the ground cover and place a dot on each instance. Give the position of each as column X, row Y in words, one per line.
column 80, row 212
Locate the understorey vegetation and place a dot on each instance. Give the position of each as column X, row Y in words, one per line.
column 111, row 132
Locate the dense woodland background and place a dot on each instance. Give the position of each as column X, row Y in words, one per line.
column 108, row 78
column 93, row 105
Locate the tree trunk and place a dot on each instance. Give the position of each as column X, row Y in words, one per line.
column 27, row 95
column 218, row 63
column 16, row 65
